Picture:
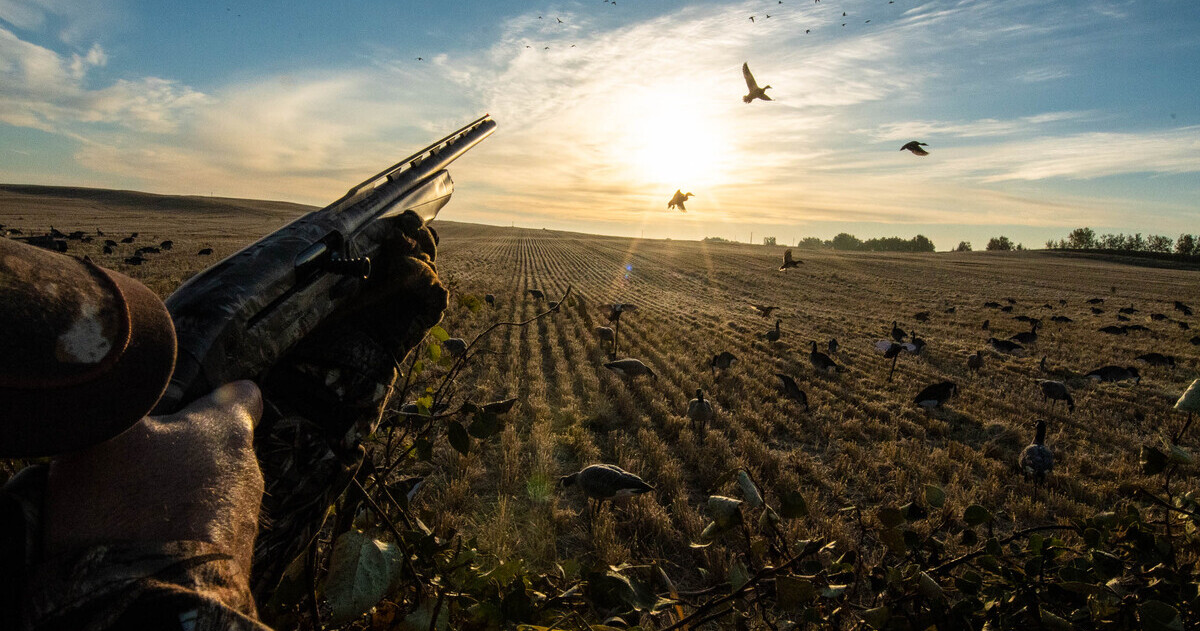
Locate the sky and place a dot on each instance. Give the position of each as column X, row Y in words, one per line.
column 1040, row 117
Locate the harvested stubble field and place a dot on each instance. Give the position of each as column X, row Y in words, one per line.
column 864, row 442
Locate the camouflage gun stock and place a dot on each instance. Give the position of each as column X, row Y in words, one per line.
column 235, row 319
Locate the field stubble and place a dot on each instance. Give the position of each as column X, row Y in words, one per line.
column 864, row 443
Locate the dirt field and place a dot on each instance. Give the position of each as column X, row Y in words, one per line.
column 863, row 443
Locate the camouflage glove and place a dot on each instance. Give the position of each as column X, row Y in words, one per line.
column 330, row 392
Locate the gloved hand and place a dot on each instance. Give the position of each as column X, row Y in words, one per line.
column 329, row 393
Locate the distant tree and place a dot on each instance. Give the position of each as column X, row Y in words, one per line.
column 1050, row 244
column 963, row 246
column 812, row 242
column 1020, row 246
column 847, row 241
column 1159, row 243
column 716, row 240
column 1111, row 241
column 1134, row 243
column 921, row 243
column 768, row 240
column 1185, row 245
column 1082, row 238
column 1000, row 243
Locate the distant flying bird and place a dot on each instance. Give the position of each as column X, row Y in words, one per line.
column 755, row 91
column 915, row 147
column 788, row 261
column 678, row 199
column 752, row 18
column 559, row 20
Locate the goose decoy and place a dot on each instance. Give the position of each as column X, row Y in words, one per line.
column 832, row 346
column 821, row 361
column 991, row 304
column 1115, row 374
column 1036, row 459
column 490, row 299
column 915, row 148
column 898, row 333
column 1097, row 311
column 788, row 261
column 606, row 334
column 921, row 316
column 537, row 294
column 136, row 259
column 891, row 350
column 700, row 412
column 108, row 249
column 1042, row 364
column 1061, row 319
column 167, row 245
column 773, row 336
column 1127, row 310
column 1114, row 330
column 605, row 482
column 1005, row 346
column 1027, row 337
column 936, row 395
column 110, row 243
column 1056, row 391
column 678, row 199
column 617, row 308
column 1195, row 341
column 630, row 368
column 763, row 310
column 975, row 361
column 1137, row 328
column 987, row 325
column 951, row 310
column 1186, row 310
column 792, row 391
column 1006, row 308
column 127, row 240
column 205, row 252
column 916, row 345
column 721, row 361
column 1157, row 359
column 455, row 347
column 755, row 91
column 1095, row 301
column 1183, row 326
column 1158, row 317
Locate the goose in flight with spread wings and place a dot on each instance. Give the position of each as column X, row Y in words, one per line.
column 788, row 261
column 678, row 199
column 915, row 147
column 755, row 91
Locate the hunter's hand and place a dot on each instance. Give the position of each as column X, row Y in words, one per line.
column 191, row 475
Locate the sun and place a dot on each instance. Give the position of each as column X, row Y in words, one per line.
column 670, row 144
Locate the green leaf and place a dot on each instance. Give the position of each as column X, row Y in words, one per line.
column 1180, row 455
column 435, row 351
column 768, row 518
column 738, row 575
column 877, row 618
column 484, row 426
column 418, row 367
column 459, row 439
column 929, row 587
column 792, row 505
column 792, row 592
column 439, row 334
column 976, row 514
column 1156, row 615
column 725, row 511
column 934, row 496
column 749, row 490
column 360, row 571
column 890, row 516
column 894, row 540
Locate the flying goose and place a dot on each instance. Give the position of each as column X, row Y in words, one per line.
column 755, row 91
column 915, row 148
column 678, row 199
column 788, row 261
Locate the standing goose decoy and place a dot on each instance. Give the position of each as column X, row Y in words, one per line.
column 936, row 395
column 763, row 310
column 605, row 482
column 1114, row 330
column 721, row 361
column 898, row 333
column 110, row 243
column 1158, row 317
column 1005, row 346
column 630, row 368
column 773, row 336
column 1182, row 308
column 1056, row 391
column 678, row 199
column 915, row 148
column 1115, row 374
column 605, row 334
column 833, row 346
column 1130, row 310
column 490, row 299
column 700, row 412
column 788, row 261
column 987, row 325
column 792, row 391
column 455, row 347
column 752, row 85
column 1097, row 311
column 820, row 361
column 1036, row 459
column 975, row 361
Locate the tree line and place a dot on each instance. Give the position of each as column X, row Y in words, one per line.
column 849, row 242
column 1087, row 239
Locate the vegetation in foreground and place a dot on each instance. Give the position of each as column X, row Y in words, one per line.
column 865, row 511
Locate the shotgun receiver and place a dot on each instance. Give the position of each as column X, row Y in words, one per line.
column 235, row 319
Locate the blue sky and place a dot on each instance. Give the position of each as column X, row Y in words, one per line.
column 1040, row 116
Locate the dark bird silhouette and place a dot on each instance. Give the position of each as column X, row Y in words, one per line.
column 1061, row 318
column 490, row 299
column 606, row 334
column 833, row 346
column 914, row 146
column 678, row 199
column 755, row 91
column 108, row 249
column 788, row 261
column 921, row 316
column 204, row 252
column 110, row 243
column 1095, row 301
column 792, row 391
column 987, row 325
column 1097, row 311
column 127, row 240
column 136, row 259
column 167, row 245
column 1027, row 337
column 752, row 18
column 820, row 361
column 1186, row 310
column 991, row 304
column 1115, row 373
column 1005, row 346
column 1056, row 391
column 537, row 294
column 700, row 412
column 898, row 333
column 773, row 336
column 630, row 368
column 605, row 482
column 891, row 350
column 1184, row 326
column 455, row 346
column 975, row 361
column 721, row 361
column 1036, row 460
column 1115, row 330
column 1157, row 359
column 936, row 395
column 1158, row 317
column 1195, row 341
column 763, row 310
column 1130, row 310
